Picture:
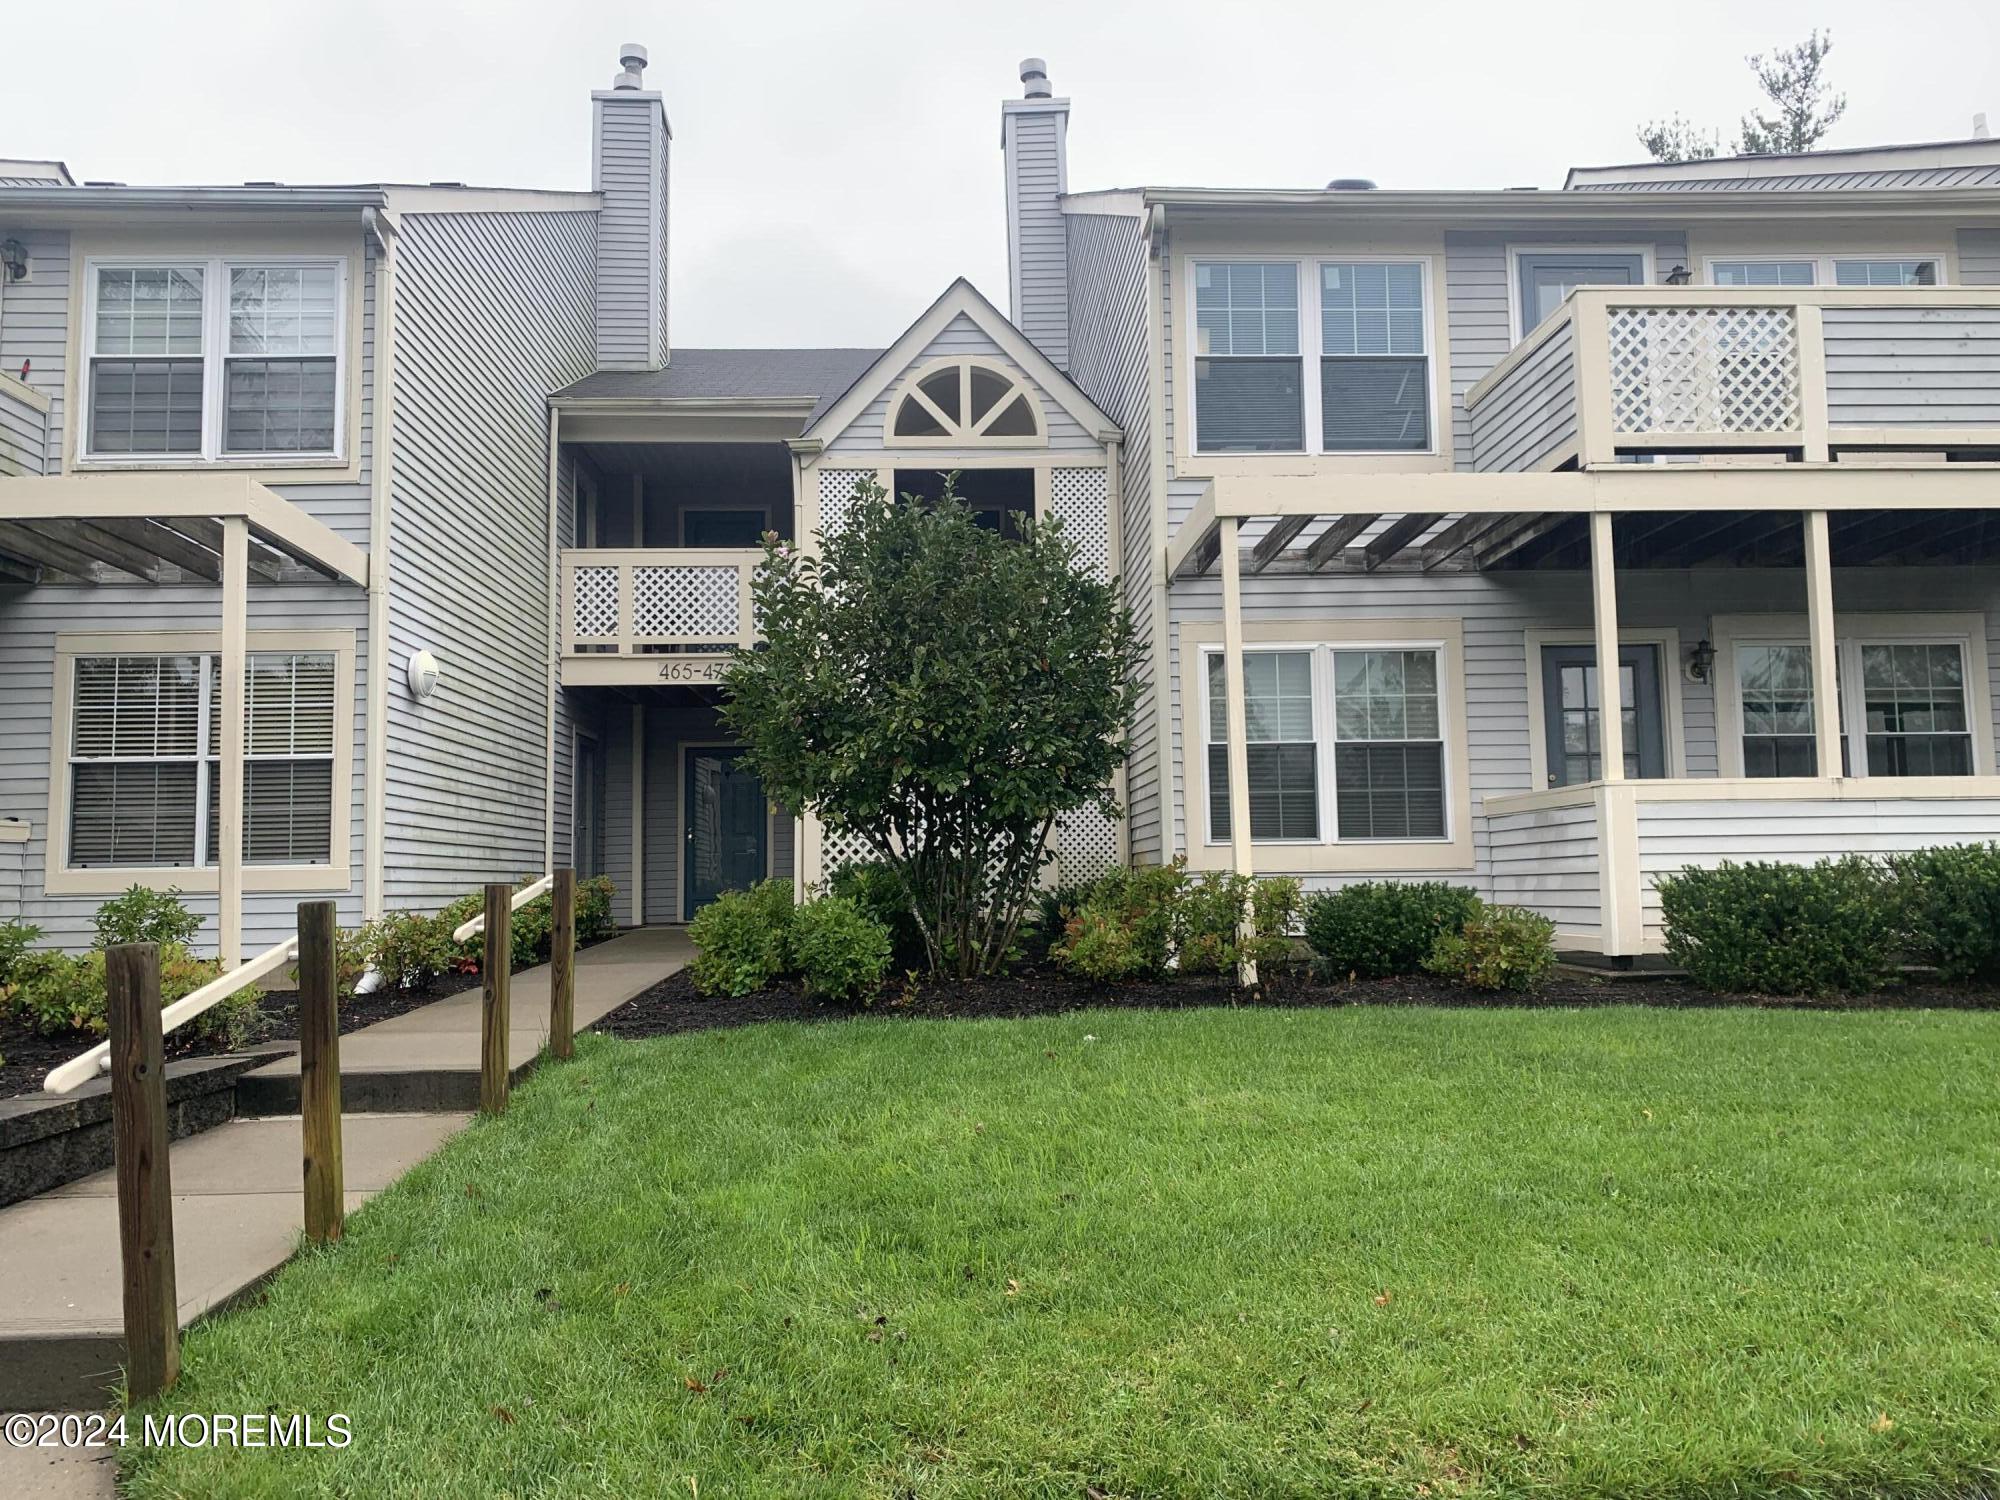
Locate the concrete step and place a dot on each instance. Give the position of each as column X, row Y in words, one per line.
column 238, row 1215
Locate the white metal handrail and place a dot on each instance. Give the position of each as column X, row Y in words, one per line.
column 82, row 1068
column 527, row 893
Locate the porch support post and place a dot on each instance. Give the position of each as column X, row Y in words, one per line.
column 229, row 709
column 1819, row 627
column 1237, row 730
column 1604, row 614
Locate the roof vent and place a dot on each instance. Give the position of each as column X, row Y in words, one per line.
column 632, row 58
column 1351, row 185
column 1035, row 79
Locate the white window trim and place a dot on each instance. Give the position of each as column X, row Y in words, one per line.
column 1666, row 642
column 1311, row 351
column 59, row 879
column 1966, row 630
column 215, row 357
column 1648, row 273
column 1823, row 265
column 1330, row 853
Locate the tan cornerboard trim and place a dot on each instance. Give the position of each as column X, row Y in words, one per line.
column 1371, row 856
column 1756, row 789
column 336, row 876
column 346, row 244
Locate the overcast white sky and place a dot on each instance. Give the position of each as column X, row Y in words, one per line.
column 836, row 162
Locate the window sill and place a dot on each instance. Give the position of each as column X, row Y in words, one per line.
column 1358, row 857
column 205, row 880
column 210, row 465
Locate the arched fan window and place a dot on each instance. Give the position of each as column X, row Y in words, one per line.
column 967, row 402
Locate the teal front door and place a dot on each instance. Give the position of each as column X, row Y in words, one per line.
column 728, row 827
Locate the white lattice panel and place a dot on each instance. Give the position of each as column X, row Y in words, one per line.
column 836, row 497
column 685, row 601
column 1081, row 498
column 842, row 846
column 1704, row 369
column 1086, row 846
column 594, row 603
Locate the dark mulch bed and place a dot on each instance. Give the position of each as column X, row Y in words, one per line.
column 673, row 1005
column 29, row 1056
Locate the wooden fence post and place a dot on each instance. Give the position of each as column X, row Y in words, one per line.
column 145, row 1191
column 495, row 976
column 319, row 1071
column 562, row 967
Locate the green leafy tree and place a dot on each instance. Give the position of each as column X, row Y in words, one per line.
column 1793, row 80
column 946, row 693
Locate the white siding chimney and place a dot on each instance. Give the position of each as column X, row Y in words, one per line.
column 628, row 165
column 1034, row 133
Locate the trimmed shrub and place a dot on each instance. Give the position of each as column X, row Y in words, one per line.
column 59, row 992
column 1950, row 902
column 410, row 951
column 742, row 939
column 839, row 950
column 1144, row 905
column 1777, row 929
column 877, row 889
column 15, row 939
column 1498, row 948
column 594, row 921
column 1376, row 929
column 141, row 915
column 1208, row 930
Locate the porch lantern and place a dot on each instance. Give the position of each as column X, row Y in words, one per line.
column 1679, row 276
column 1701, row 660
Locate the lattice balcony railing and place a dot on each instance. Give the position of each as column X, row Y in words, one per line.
column 633, row 601
column 1732, row 369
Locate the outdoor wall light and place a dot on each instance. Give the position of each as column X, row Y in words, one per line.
column 423, row 674
column 14, row 260
column 1679, row 276
column 1701, row 661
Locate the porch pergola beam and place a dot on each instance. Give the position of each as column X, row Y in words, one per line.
column 206, row 532
column 35, row 546
column 1531, row 528
column 1284, row 531
column 166, row 544
column 1329, row 544
column 1819, row 628
column 113, row 551
column 1394, row 538
column 1461, row 534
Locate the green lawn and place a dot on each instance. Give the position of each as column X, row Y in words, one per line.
column 1619, row 1252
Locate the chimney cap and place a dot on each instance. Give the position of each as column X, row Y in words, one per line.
column 1035, row 75
column 632, row 58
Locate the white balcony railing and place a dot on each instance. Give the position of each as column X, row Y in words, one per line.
column 636, row 601
column 1805, row 370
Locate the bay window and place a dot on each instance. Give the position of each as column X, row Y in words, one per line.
column 144, row 760
column 1352, row 373
column 1365, row 721
column 218, row 358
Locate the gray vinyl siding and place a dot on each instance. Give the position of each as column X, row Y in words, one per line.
column 629, row 167
column 1107, row 340
column 565, row 707
column 494, row 311
column 31, row 619
column 615, row 724
column 1912, row 366
column 1495, row 610
column 23, row 436
column 1979, row 257
column 1548, row 860
column 34, row 327
column 1476, row 272
column 1037, row 245
column 1531, row 415
column 960, row 337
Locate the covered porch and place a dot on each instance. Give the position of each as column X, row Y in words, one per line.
column 1821, row 719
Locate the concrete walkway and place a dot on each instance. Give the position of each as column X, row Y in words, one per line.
column 237, row 1204
column 429, row 1058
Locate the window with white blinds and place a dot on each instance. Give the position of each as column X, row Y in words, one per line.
column 145, row 760
column 220, row 358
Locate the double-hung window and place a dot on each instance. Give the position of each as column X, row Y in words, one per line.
column 1365, row 722
column 1908, row 271
column 1374, row 367
column 1914, row 704
column 1762, row 272
column 1350, row 373
column 1829, row 270
column 1248, row 372
column 220, row 358
column 145, row 760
